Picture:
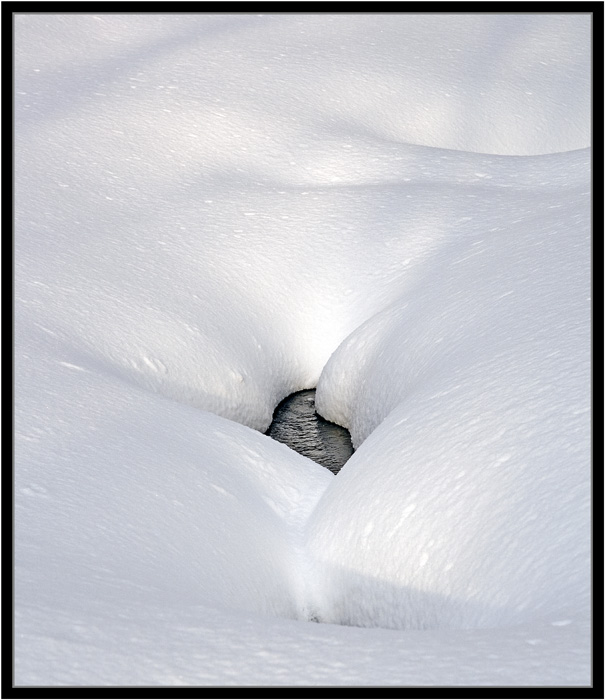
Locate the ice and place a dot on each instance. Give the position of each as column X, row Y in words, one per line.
column 213, row 211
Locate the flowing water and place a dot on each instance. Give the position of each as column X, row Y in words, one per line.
column 296, row 424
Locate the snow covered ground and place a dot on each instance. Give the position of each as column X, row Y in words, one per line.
column 216, row 210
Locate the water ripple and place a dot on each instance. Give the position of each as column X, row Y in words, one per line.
column 296, row 424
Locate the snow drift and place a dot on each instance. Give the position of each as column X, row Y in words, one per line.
column 215, row 211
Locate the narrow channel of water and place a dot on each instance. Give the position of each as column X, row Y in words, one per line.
column 296, row 424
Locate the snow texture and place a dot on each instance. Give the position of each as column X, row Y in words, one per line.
column 216, row 210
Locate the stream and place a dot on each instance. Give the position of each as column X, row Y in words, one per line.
column 297, row 425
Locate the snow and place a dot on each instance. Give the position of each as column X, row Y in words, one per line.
column 468, row 399
column 216, row 210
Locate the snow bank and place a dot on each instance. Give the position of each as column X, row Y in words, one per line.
column 214, row 211
column 177, row 646
column 123, row 493
column 267, row 93
column 473, row 393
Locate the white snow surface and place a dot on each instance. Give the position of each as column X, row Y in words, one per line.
column 216, row 210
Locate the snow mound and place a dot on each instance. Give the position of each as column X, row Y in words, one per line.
column 469, row 400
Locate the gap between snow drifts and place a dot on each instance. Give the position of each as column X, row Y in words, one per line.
column 297, row 424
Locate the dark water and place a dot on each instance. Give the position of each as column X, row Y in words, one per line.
column 296, row 424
